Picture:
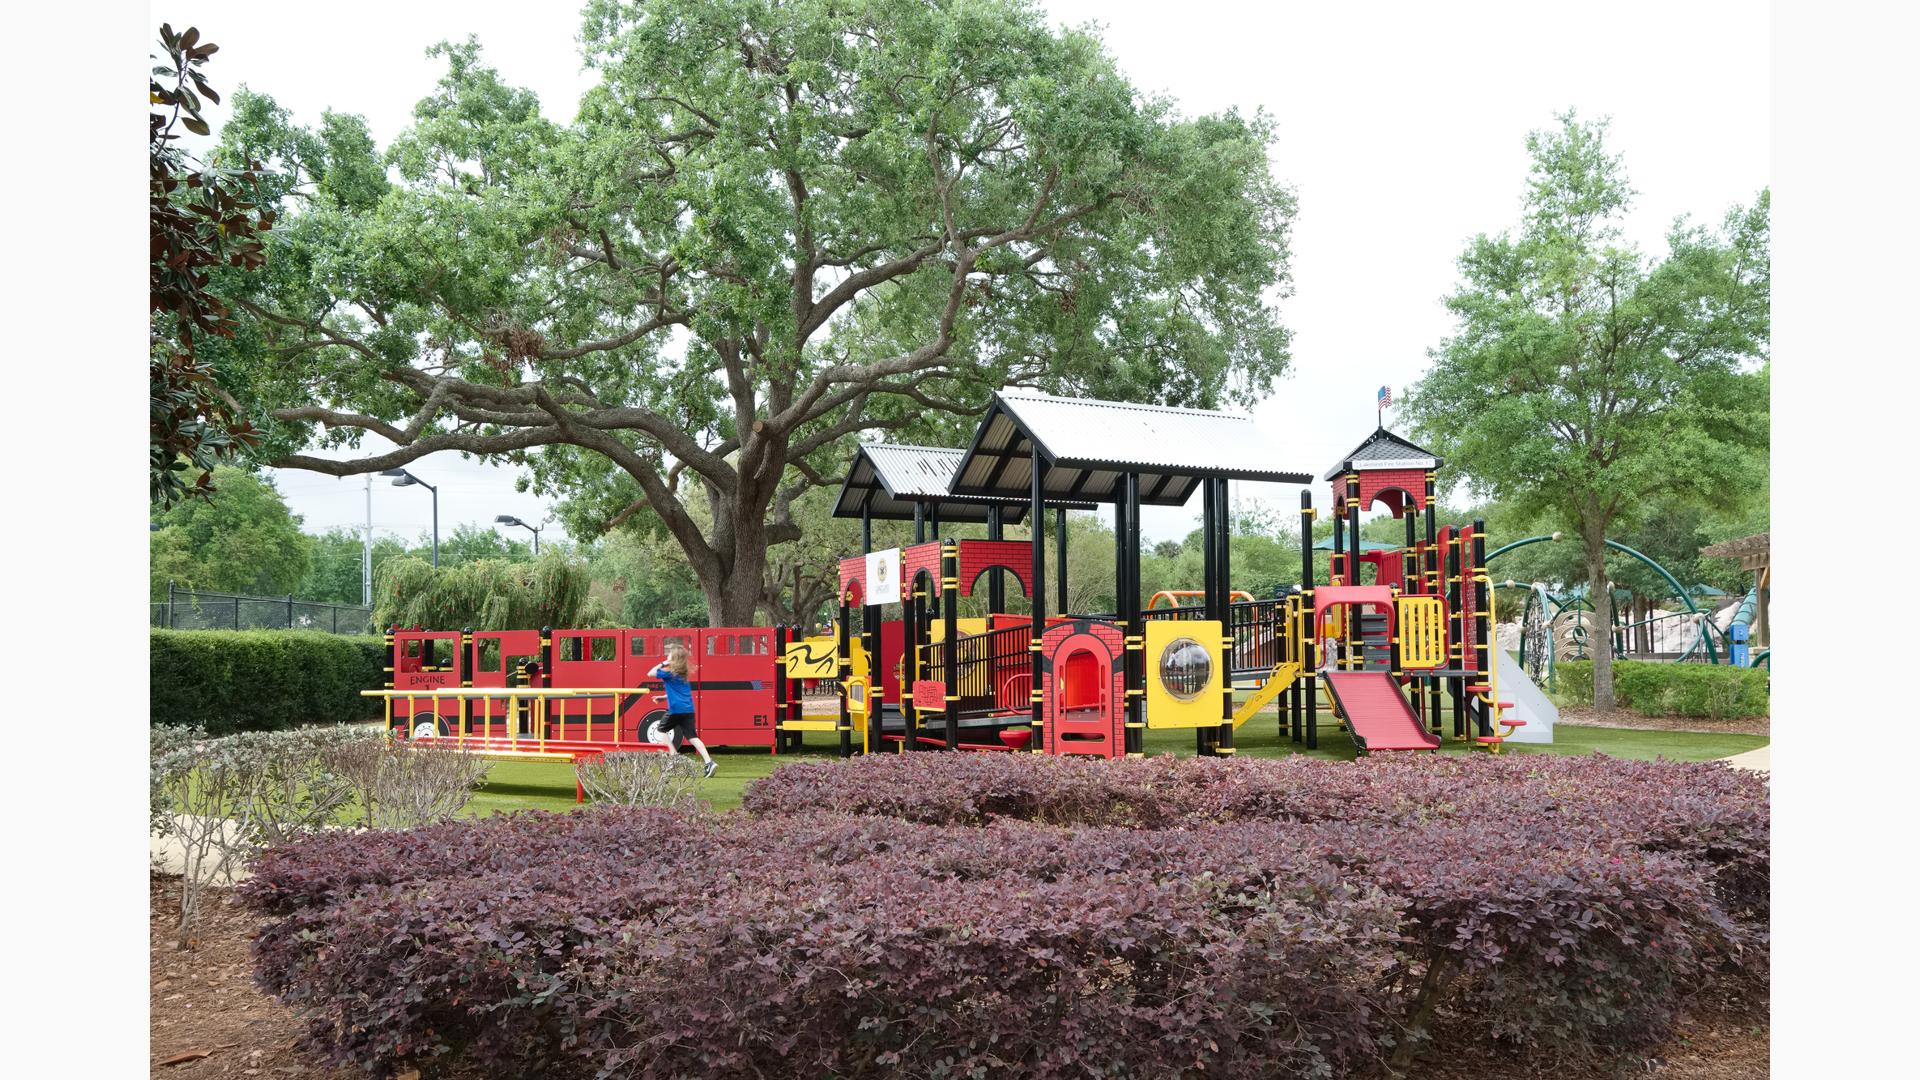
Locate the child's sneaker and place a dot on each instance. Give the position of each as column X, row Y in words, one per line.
column 711, row 766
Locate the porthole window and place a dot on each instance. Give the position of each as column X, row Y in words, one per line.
column 1185, row 668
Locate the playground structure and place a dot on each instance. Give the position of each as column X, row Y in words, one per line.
column 1401, row 661
column 1555, row 627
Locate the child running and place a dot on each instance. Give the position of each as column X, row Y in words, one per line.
column 679, row 727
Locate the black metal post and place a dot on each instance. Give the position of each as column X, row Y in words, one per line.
column 1037, row 507
column 1458, row 635
column 1353, row 524
column 1310, row 630
column 1431, row 558
column 1223, row 561
column 1351, row 620
column 1134, row 666
column 1479, row 582
column 950, row 648
column 916, row 638
column 1060, row 558
column 1203, row 738
column 1296, row 702
column 996, row 584
column 919, row 522
column 779, row 691
column 795, row 706
column 870, row 636
column 843, row 668
column 1337, row 565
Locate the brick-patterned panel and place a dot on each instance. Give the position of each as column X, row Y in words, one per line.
column 1112, row 721
column 853, row 575
column 1375, row 481
column 918, row 558
column 976, row 556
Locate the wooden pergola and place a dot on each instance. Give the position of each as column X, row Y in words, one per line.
column 1752, row 551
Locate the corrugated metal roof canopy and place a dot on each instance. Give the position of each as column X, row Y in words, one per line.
column 1089, row 445
column 1385, row 450
column 888, row 480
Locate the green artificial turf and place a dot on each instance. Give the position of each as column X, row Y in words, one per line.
column 519, row 785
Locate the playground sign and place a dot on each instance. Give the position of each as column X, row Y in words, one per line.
column 883, row 577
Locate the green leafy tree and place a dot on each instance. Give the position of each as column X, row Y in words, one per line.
column 243, row 540
column 646, row 580
column 200, row 218
column 335, row 577
column 470, row 541
column 1585, row 378
column 771, row 226
column 487, row 594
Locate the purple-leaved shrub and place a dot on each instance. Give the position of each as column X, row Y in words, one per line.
column 955, row 915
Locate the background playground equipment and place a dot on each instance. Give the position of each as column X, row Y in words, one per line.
column 1391, row 660
column 1555, row 627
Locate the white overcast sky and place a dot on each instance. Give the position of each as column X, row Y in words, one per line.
column 1401, row 127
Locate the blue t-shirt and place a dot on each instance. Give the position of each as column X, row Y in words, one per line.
column 679, row 691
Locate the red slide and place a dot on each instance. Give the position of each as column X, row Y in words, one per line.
column 1378, row 712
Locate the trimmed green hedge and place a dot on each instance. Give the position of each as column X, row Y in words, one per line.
column 262, row 680
column 1715, row 691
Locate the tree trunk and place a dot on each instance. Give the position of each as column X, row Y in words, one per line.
column 739, row 539
column 1600, row 638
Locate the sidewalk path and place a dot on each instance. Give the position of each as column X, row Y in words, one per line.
column 1757, row 760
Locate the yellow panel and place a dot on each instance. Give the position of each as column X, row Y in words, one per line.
column 1421, row 622
column 1165, row 708
column 967, row 627
column 812, row 658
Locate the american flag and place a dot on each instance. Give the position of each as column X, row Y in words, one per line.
column 1385, row 397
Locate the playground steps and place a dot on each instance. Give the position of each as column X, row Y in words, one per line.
column 1376, row 652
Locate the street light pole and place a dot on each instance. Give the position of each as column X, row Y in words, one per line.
column 509, row 519
column 366, row 552
column 403, row 478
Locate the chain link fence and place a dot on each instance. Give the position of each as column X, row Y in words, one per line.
column 195, row 609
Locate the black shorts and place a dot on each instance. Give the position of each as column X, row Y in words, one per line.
column 679, row 726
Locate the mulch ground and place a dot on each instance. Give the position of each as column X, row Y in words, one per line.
column 1721, row 1039
column 208, row 1019
column 1622, row 718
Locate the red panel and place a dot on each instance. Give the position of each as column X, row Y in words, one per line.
column 1080, row 681
column 574, row 666
column 1014, row 556
column 499, row 652
column 930, row 694
column 414, row 668
column 893, row 644
column 1083, row 689
column 734, row 686
column 641, row 651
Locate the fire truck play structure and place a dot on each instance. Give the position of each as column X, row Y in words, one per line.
column 1401, row 661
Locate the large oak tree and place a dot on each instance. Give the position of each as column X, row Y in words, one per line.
column 1591, row 383
column 772, row 226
